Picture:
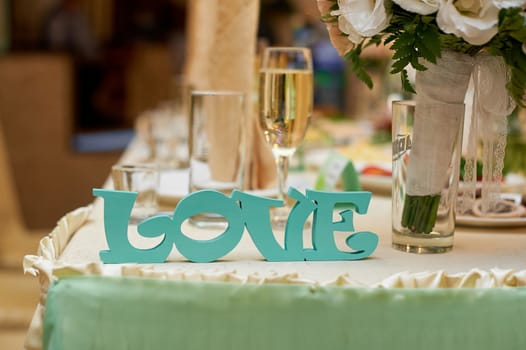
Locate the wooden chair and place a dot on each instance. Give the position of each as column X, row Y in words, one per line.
column 36, row 111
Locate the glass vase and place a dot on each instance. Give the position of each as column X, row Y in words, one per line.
column 427, row 143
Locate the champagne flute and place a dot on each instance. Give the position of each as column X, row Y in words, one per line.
column 285, row 109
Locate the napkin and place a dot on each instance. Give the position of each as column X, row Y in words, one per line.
column 221, row 44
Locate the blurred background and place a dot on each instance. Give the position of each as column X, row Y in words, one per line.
column 77, row 73
column 74, row 77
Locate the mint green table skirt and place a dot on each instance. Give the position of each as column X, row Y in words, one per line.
column 137, row 313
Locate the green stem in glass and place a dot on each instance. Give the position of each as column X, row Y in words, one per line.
column 420, row 213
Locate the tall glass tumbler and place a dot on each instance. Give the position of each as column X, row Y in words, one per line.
column 218, row 125
column 426, row 166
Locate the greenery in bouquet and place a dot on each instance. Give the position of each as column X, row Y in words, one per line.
column 419, row 32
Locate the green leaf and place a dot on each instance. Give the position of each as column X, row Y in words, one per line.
column 427, row 55
column 431, row 41
column 357, row 64
column 417, row 65
column 413, row 38
column 399, row 66
column 401, row 53
column 389, row 39
column 406, row 84
column 374, row 40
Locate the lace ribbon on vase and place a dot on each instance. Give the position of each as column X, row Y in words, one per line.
column 488, row 130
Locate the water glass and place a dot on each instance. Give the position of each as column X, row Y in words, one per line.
column 218, row 124
column 140, row 178
column 164, row 133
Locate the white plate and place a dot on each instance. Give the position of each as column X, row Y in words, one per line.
column 472, row 220
column 475, row 221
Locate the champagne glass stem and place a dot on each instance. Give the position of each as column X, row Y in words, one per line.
column 282, row 163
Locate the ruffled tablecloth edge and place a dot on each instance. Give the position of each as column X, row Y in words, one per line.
column 47, row 267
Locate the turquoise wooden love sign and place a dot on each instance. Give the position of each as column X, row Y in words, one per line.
column 241, row 211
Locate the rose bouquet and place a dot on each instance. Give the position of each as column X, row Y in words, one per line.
column 448, row 43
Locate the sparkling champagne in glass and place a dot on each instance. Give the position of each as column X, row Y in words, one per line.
column 285, row 105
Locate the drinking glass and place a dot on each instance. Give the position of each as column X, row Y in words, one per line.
column 140, row 178
column 424, row 222
column 218, row 125
column 285, row 109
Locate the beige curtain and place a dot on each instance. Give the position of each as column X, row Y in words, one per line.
column 221, row 44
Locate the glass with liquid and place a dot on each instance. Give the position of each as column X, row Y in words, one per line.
column 140, row 178
column 218, row 127
column 285, row 109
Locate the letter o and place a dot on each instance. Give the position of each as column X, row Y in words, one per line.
column 208, row 201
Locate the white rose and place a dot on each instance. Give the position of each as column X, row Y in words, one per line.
column 475, row 21
column 348, row 29
column 422, row 7
column 362, row 18
column 502, row 4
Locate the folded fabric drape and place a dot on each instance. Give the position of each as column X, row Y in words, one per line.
column 221, row 48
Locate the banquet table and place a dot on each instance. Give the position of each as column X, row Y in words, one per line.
column 470, row 298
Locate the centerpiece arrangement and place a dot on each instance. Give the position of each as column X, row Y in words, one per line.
column 449, row 43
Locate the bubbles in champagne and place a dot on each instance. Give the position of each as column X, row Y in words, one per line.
column 285, row 107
